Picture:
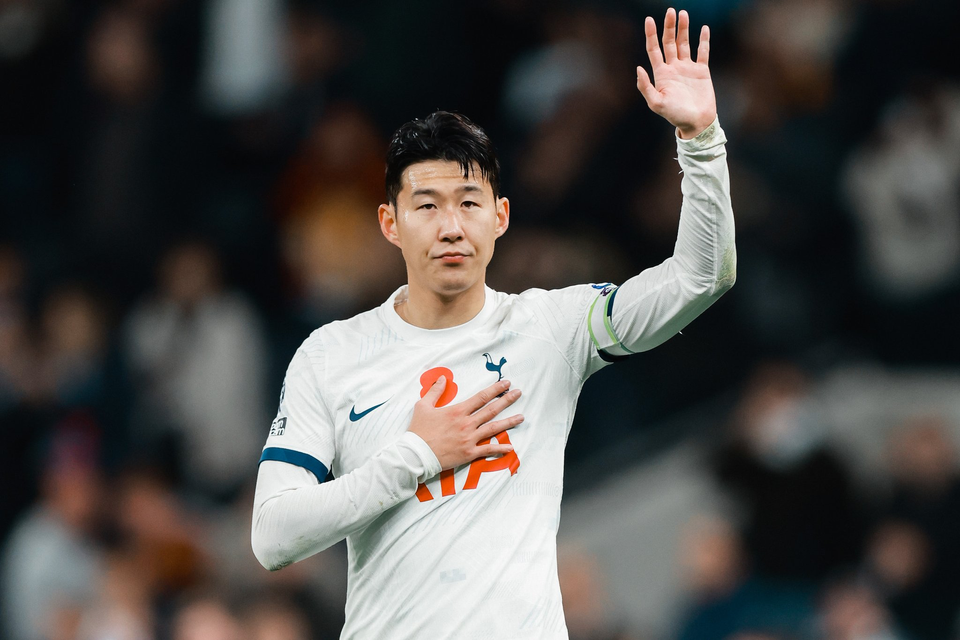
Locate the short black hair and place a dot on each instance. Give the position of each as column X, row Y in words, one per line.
column 442, row 135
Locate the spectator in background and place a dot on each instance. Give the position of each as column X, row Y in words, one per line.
column 897, row 567
column 123, row 608
column 57, row 376
column 244, row 70
column 851, row 611
column 586, row 604
column 926, row 486
column 278, row 619
column 912, row 558
column 569, row 61
column 51, row 565
column 206, row 618
column 725, row 598
column 73, row 347
column 77, row 367
column 124, row 161
column 901, row 186
column 197, row 352
column 159, row 534
column 327, row 199
column 801, row 515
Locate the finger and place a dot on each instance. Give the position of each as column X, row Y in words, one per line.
column 670, row 36
column 649, row 92
column 435, row 391
column 491, row 429
column 703, row 51
column 653, row 47
column 475, row 402
column 683, row 36
column 493, row 409
column 491, row 449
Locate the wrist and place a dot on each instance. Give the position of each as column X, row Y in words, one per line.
column 425, row 455
column 691, row 131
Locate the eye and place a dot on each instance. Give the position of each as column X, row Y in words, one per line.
column 470, row 203
column 427, row 205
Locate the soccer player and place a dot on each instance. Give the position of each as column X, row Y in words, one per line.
column 446, row 480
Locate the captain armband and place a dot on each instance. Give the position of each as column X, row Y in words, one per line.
column 600, row 326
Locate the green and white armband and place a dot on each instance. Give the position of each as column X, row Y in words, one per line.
column 600, row 325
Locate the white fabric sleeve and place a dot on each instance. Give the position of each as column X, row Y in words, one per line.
column 303, row 432
column 296, row 513
column 295, row 517
column 653, row 306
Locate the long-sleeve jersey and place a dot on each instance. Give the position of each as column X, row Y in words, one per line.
column 468, row 552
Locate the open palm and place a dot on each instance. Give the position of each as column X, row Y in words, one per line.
column 682, row 90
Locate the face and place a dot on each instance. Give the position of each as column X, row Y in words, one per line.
column 445, row 225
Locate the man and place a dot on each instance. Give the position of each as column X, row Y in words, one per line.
column 449, row 505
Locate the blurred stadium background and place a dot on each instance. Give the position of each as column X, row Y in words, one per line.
column 189, row 187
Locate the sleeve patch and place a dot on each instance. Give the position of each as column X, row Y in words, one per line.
column 278, row 427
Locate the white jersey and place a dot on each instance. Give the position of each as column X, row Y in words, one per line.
column 467, row 552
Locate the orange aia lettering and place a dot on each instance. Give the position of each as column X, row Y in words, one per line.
column 427, row 379
column 477, row 467
column 486, row 465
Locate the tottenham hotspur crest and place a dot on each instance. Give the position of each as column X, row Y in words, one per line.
column 495, row 367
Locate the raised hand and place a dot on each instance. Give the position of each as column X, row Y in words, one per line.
column 454, row 432
column 682, row 90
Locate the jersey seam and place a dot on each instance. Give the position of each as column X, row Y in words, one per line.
column 584, row 319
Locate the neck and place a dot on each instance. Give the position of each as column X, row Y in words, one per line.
column 430, row 310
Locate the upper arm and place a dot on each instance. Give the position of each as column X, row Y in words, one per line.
column 649, row 308
column 303, row 433
column 566, row 315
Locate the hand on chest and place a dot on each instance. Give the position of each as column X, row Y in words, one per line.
column 378, row 396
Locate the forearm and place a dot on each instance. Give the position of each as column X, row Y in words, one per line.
column 294, row 518
column 657, row 303
column 705, row 252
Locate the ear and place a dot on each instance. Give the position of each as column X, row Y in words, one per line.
column 503, row 216
column 388, row 223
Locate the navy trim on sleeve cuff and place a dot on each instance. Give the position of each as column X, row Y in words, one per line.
column 297, row 458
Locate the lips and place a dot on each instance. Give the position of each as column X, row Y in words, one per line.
column 451, row 257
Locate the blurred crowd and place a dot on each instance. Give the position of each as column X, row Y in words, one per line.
column 809, row 550
column 188, row 188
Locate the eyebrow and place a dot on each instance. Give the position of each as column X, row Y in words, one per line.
column 470, row 188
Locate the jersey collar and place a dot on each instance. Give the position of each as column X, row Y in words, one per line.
column 407, row 331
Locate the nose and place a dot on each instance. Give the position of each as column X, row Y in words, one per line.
column 451, row 227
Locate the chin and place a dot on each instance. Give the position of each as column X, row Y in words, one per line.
column 454, row 284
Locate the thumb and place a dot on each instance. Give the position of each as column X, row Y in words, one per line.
column 647, row 89
column 435, row 391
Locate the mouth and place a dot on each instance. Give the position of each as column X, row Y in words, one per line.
column 452, row 257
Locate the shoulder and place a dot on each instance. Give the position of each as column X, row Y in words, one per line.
column 559, row 312
column 576, row 296
column 341, row 341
